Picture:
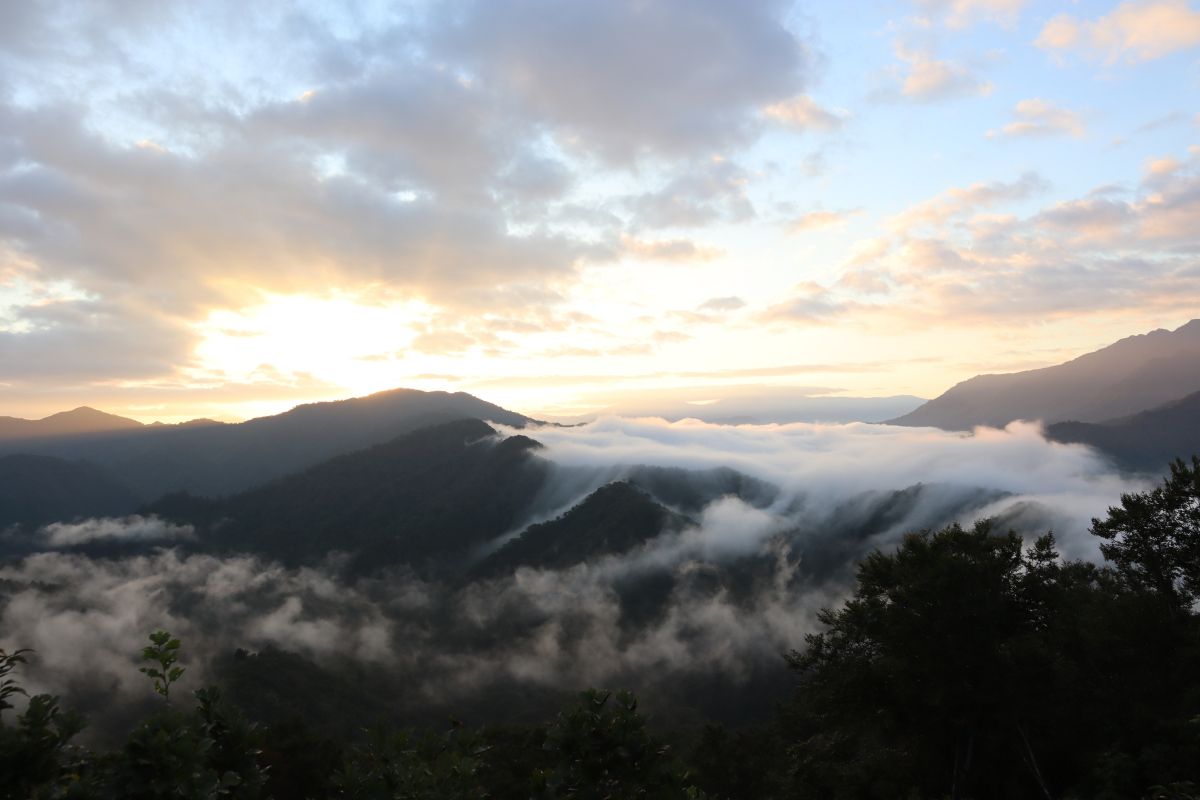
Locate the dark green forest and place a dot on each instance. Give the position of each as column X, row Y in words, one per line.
column 966, row 663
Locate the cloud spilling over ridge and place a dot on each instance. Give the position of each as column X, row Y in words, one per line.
column 723, row 596
column 829, row 464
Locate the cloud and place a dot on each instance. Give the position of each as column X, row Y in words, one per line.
column 809, row 303
column 433, row 157
column 925, row 78
column 827, row 464
column 683, row 250
column 1037, row 117
column 816, row 220
column 624, row 79
column 722, row 304
column 711, row 192
column 956, row 260
column 125, row 529
column 1138, row 30
column 119, row 215
column 804, row 114
column 957, row 201
column 86, row 618
column 1093, row 219
column 71, row 340
column 741, row 583
column 1168, row 120
column 962, row 13
column 443, row 342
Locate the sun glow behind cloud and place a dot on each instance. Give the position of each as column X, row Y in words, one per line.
column 338, row 340
column 504, row 206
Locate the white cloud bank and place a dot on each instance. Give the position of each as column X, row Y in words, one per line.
column 744, row 581
column 134, row 528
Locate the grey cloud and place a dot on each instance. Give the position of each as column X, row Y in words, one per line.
column 412, row 128
column 1087, row 216
column 531, row 177
column 730, row 303
column 810, row 303
column 110, row 218
column 712, row 191
column 627, row 78
column 423, row 136
column 84, row 340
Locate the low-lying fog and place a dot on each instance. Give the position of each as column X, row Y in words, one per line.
column 724, row 596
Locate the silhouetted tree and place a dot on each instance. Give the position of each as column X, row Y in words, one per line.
column 1153, row 538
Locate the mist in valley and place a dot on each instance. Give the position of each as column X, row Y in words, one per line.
column 771, row 521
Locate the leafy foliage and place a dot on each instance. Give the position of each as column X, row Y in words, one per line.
column 407, row 766
column 1153, row 538
column 34, row 752
column 600, row 748
column 9, row 686
column 971, row 664
column 162, row 653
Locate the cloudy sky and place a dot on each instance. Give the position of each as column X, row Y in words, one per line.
column 224, row 209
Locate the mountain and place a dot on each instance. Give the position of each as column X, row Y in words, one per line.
column 432, row 494
column 1132, row 375
column 613, row 519
column 440, row 497
column 36, row 490
column 220, row 459
column 81, row 420
column 1146, row 441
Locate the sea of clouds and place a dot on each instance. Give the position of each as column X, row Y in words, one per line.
column 835, row 499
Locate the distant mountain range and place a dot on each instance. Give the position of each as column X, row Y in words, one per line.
column 424, row 473
column 1135, row 399
column 82, row 420
column 218, row 459
column 1135, row 374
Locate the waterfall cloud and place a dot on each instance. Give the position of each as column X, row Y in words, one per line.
column 821, row 467
column 720, row 597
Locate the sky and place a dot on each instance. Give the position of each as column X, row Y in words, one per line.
column 223, row 209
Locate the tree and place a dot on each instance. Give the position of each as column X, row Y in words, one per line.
column 1153, row 538
column 930, row 678
column 34, row 752
column 600, row 748
column 404, row 765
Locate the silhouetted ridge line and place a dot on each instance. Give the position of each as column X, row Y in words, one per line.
column 1146, row 441
column 225, row 459
column 1134, row 374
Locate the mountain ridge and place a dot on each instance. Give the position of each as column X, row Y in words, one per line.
column 1148, row 440
column 223, row 459
column 1133, row 374
column 81, row 420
